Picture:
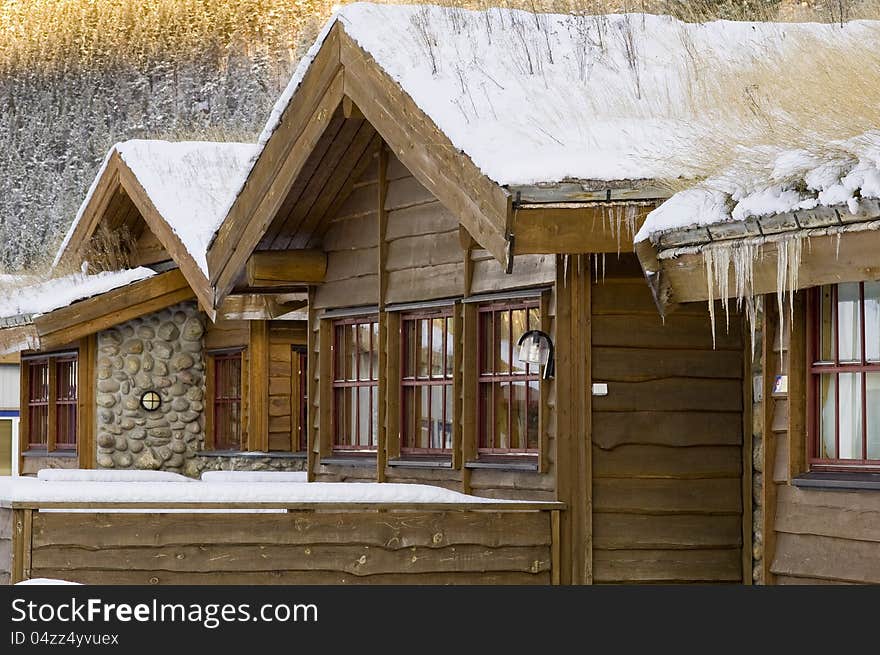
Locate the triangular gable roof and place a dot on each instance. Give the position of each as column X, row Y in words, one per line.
column 481, row 105
column 182, row 190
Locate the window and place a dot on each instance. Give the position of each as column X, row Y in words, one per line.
column 427, row 347
column 509, row 391
column 845, row 376
column 51, row 402
column 227, row 400
column 355, row 383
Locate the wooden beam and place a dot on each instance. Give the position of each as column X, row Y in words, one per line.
column 302, row 124
column 576, row 228
column 591, row 191
column 69, row 324
column 827, row 259
column 798, row 379
column 253, row 307
column 350, row 110
column 770, row 364
column 258, row 387
column 481, row 205
column 286, row 268
column 386, row 341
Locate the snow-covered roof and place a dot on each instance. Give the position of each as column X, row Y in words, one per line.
column 841, row 174
column 543, row 98
column 20, row 304
column 190, row 183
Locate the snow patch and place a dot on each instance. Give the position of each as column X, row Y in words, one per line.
column 45, row 581
column 96, row 475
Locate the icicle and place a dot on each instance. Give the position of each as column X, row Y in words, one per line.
column 603, row 268
column 709, row 260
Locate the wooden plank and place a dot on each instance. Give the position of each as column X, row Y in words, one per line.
column 686, row 531
column 226, row 334
column 387, row 340
column 258, row 380
column 481, row 205
column 841, row 514
column 17, row 568
column 662, row 462
column 830, row 259
column 612, row 429
column 85, row 411
column 352, row 234
column 827, row 558
column 420, row 220
column 566, row 445
column 672, row 394
column 528, row 271
column 392, row 530
column 457, row 389
column 576, row 228
column 555, row 557
column 423, row 251
column 324, row 388
column 302, row 124
column 643, row 364
column 346, row 264
column 667, row 497
column 274, row 268
column 468, row 346
column 667, row 566
column 797, row 389
column 407, row 192
column 313, row 368
column 353, row 559
column 748, row 467
column 679, row 332
column 632, row 296
column 363, row 290
column 27, row 543
column 428, row 283
column 767, row 489
column 159, row 577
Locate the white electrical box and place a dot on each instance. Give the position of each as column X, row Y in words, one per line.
column 600, row 388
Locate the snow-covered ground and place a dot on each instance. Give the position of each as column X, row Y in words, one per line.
column 155, row 487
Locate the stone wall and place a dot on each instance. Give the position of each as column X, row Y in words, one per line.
column 251, row 462
column 162, row 352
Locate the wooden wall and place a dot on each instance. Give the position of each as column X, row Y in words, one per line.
column 300, row 547
column 826, row 537
column 284, row 384
column 5, row 545
column 667, row 439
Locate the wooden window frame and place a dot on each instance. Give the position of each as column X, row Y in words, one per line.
column 51, row 362
column 447, row 382
column 502, row 454
column 210, row 396
column 816, row 369
column 370, row 449
column 299, row 399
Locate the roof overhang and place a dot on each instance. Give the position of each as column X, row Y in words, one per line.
column 68, row 324
column 835, row 246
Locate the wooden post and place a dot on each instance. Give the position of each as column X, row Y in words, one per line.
column 313, row 440
column 797, row 389
column 554, row 548
column 24, row 429
column 286, row 268
column 258, row 415
column 747, row 465
column 382, row 395
column 85, row 411
column 52, row 422
column 22, row 529
column 209, row 401
column 325, row 389
column 565, row 449
column 469, row 392
column 457, row 454
column 768, row 487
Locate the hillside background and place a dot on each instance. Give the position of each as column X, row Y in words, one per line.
column 78, row 75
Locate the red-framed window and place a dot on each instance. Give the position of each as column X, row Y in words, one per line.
column 65, row 402
column 509, row 390
column 38, row 403
column 51, row 412
column 427, row 369
column 844, row 389
column 355, row 383
column 227, row 400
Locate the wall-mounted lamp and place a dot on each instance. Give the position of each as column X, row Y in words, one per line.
column 536, row 347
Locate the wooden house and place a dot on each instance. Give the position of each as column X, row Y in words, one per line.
column 433, row 185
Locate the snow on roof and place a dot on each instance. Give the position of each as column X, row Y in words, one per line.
column 191, row 184
column 156, row 491
column 43, row 297
column 543, row 97
column 787, row 181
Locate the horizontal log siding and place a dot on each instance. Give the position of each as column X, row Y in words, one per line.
column 826, row 536
column 667, row 439
column 282, row 403
column 355, row 546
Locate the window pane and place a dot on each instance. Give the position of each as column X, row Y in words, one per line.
column 362, row 429
column 450, row 346
column 873, row 397
column 502, row 416
column 374, row 414
column 339, row 364
column 365, row 351
column 826, row 325
column 374, row 352
column 438, row 333
column 520, row 319
column 827, row 396
column 534, row 403
column 424, row 345
column 872, row 322
column 519, row 410
column 437, row 420
column 849, row 322
column 487, row 438
column 502, row 341
column 850, row 415
column 450, row 418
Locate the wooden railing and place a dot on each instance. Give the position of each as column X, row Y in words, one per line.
column 305, row 543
